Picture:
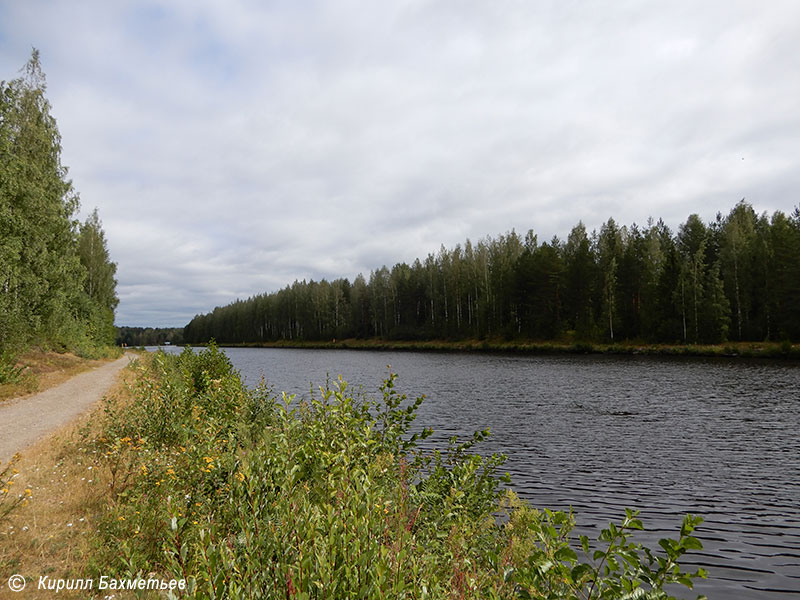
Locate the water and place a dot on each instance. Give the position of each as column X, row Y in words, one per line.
column 717, row 437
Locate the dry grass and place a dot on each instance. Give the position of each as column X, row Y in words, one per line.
column 51, row 534
column 43, row 370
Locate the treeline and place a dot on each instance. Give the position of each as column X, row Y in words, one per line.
column 57, row 285
column 149, row 336
column 737, row 278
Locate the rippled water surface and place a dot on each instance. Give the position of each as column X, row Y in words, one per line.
column 719, row 438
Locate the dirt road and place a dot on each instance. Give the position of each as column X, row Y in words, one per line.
column 24, row 420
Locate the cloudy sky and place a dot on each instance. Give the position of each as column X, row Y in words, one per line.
column 234, row 146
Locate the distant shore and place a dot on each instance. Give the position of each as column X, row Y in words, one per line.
column 779, row 350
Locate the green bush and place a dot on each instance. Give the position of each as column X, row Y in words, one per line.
column 9, row 371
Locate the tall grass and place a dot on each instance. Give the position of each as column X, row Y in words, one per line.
column 246, row 495
column 10, row 372
column 10, row 497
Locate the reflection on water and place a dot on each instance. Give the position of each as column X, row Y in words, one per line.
column 718, row 438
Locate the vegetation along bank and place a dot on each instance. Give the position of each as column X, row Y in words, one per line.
column 243, row 494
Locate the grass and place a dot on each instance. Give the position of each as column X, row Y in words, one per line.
column 40, row 370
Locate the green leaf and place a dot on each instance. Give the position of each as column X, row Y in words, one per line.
column 668, row 545
column 579, row 571
column 691, row 543
column 565, row 554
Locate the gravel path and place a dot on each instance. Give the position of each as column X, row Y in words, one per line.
column 25, row 420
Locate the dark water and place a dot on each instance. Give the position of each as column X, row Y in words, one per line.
column 719, row 438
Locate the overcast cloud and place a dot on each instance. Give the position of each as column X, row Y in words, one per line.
column 232, row 147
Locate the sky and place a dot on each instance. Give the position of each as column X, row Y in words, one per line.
column 232, row 147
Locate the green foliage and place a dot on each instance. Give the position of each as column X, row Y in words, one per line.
column 246, row 496
column 149, row 336
column 100, row 297
column 56, row 280
column 9, row 371
column 614, row 566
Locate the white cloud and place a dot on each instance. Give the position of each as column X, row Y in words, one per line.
column 233, row 147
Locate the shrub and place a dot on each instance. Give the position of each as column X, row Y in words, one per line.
column 9, row 371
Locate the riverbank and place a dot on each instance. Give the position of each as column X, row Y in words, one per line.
column 242, row 494
column 784, row 350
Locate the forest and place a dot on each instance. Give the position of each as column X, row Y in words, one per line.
column 734, row 279
column 57, row 282
column 149, row 336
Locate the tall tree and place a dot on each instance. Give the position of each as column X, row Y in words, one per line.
column 784, row 275
column 580, row 283
column 100, row 284
column 40, row 273
column 669, row 314
column 609, row 254
column 738, row 241
column 692, row 238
